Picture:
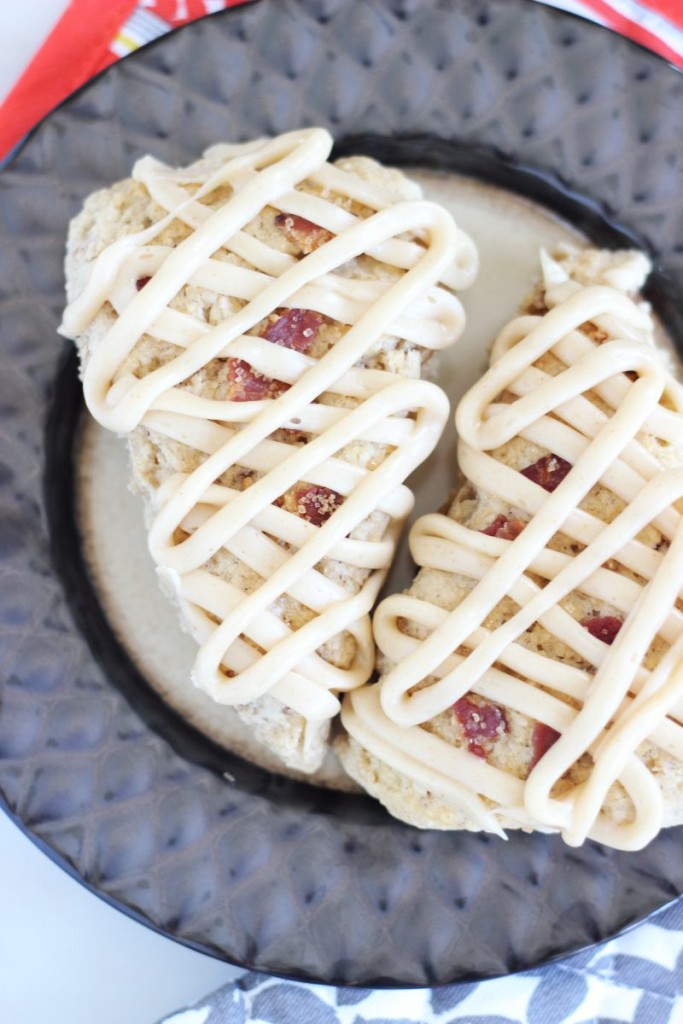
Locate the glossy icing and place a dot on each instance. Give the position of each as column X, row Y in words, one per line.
column 247, row 649
column 620, row 704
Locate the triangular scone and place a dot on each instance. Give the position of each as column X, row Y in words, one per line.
column 256, row 324
column 532, row 675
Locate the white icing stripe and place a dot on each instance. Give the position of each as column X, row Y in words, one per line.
column 441, row 543
column 620, row 703
column 247, row 647
column 435, row 765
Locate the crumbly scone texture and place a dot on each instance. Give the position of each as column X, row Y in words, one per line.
column 126, row 208
column 512, row 750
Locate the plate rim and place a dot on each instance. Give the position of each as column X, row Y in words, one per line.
column 8, row 159
column 53, row 853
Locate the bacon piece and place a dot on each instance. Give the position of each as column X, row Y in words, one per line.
column 296, row 329
column 603, row 627
column 477, row 749
column 542, row 740
column 506, row 529
column 548, row 472
column 479, row 722
column 141, row 282
column 245, row 384
column 303, row 233
column 316, row 504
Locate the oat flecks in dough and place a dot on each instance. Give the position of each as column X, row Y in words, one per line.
column 450, row 768
column 243, row 218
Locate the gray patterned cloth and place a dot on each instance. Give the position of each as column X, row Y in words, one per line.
column 636, row 978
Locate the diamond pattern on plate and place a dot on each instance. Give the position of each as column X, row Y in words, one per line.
column 258, row 870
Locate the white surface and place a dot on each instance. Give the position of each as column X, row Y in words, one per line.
column 66, row 957
column 23, row 28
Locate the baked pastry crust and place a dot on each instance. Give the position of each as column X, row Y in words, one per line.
column 532, row 675
column 256, row 324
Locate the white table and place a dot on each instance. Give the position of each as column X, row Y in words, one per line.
column 66, row 957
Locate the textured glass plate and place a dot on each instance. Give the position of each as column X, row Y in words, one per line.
column 248, row 866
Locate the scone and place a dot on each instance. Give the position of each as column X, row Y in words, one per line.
column 532, row 675
column 256, row 324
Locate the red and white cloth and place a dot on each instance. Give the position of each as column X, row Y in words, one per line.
column 656, row 24
column 94, row 33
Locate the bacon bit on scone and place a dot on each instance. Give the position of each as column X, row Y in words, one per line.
column 316, row 504
column 245, row 384
column 295, row 329
column 548, row 472
column 480, row 721
column 506, row 529
column 542, row 740
column 141, row 282
column 303, row 233
column 603, row 627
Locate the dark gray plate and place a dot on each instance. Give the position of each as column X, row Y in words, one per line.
column 263, row 871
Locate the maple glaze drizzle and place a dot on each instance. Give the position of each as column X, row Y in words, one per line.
column 246, row 649
column 620, row 704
